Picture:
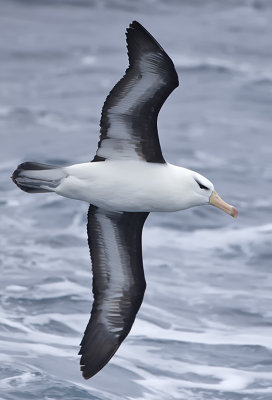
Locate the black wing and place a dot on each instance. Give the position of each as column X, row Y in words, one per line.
column 115, row 241
column 129, row 115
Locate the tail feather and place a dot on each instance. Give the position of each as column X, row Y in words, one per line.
column 34, row 177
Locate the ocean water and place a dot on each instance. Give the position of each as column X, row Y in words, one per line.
column 204, row 331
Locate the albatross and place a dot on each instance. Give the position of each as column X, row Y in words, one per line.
column 127, row 179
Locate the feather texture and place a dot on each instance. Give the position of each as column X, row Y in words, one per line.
column 129, row 115
column 115, row 241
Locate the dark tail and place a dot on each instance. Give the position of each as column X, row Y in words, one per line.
column 34, row 177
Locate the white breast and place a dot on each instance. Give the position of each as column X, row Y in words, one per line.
column 127, row 185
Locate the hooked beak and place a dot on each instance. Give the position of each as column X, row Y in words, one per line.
column 215, row 200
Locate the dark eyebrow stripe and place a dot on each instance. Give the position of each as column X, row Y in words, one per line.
column 201, row 185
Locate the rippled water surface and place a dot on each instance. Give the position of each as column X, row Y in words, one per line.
column 204, row 331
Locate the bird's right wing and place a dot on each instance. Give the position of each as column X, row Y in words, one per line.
column 129, row 116
column 115, row 241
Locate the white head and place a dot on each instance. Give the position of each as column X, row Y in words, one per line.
column 202, row 192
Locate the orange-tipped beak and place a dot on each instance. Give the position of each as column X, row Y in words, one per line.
column 216, row 201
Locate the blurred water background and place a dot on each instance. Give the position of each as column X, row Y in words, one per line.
column 204, row 331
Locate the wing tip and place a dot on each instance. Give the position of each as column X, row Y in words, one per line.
column 140, row 40
column 87, row 374
column 87, row 370
column 91, row 362
column 137, row 29
column 134, row 24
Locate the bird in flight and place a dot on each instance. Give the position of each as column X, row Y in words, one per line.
column 127, row 179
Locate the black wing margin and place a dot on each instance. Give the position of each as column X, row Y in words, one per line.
column 115, row 241
column 129, row 115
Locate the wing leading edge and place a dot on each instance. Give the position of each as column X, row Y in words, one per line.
column 115, row 241
column 129, row 115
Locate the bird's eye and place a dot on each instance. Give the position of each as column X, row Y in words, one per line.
column 202, row 186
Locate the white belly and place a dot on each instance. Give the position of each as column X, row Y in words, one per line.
column 126, row 185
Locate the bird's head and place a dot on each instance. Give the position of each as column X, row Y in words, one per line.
column 204, row 193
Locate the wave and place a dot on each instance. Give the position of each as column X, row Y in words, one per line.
column 179, row 375
column 221, row 65
column 51, row 119
column 209, row 239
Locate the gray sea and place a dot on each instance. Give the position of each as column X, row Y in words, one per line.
column 204, row 331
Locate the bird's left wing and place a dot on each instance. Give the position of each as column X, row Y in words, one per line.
column 115, row 241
